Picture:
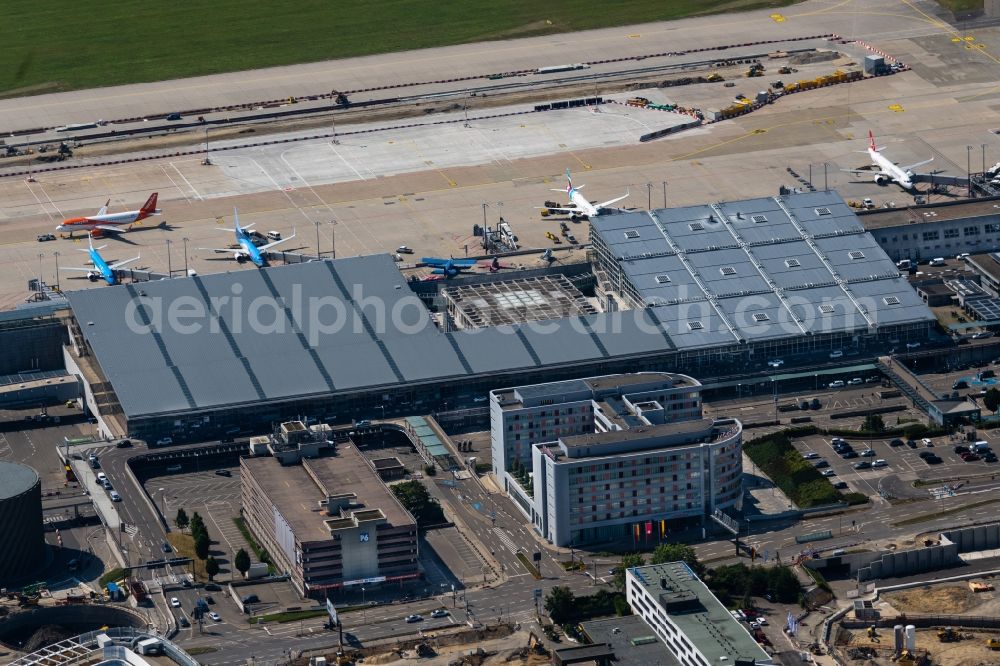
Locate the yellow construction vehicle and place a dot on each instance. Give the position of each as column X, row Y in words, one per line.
column 948, row 635
column 756, row 69
column 993, row 643
column 872, row 632
column 713, row 77
column 905, row 657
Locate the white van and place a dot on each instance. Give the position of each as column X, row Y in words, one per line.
column 837, row 384
column 936, row 261
column 836, row 353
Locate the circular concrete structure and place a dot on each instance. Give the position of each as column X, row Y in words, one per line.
column 22, row 550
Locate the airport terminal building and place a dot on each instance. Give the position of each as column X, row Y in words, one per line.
column 699, row 290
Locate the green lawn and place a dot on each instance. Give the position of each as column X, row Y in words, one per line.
column 67, row 44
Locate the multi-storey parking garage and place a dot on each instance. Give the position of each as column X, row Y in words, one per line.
column 348, row 339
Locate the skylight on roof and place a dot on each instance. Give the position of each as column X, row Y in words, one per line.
column 823, row 211
column 662, row 279
column 891, row 300
column 792, row 263
column 696, row 226
column 695, row 325
column 758, row 218
column 760, row 317
column 631, row 234
column 727, row 270
column 856, row 254
column 826, row 309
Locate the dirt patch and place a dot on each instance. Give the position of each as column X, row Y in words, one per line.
column 947, row 600
column 969, row 650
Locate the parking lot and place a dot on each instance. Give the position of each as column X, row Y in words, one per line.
column 902, row 461
column 216, row 499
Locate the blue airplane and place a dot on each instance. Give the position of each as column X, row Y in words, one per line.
column 448, row 267
column 247, row 250
column 100, row 269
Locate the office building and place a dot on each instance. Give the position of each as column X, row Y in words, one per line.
column 684, row 614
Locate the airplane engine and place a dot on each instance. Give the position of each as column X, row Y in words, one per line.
column 240, row 258
column 92, row 277
column 881, row 180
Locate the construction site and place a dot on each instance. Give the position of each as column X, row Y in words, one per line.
column 947, row 624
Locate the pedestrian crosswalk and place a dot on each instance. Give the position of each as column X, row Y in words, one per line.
column 505, row 540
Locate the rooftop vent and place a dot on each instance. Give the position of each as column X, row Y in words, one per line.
column 826, row 309
column 696, row 226
column 695, row 325
column 891, row 300
column 759, row 218
column 662, row 279
column 823, row 211
column 792, row 263
column 631, row 234
column 727, row 270
column 856, row 254
column 760, row 317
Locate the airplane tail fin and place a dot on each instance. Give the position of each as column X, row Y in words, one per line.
column 149, row 207
column 569, row 182
column 871, row 142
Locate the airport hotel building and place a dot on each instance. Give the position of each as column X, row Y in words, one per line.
column 613, row 457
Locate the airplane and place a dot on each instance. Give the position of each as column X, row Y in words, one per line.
column 579, row 207
column 101, row 269
column 105, row 221
column 247, row 250
column 448, row 267
column 888, row 171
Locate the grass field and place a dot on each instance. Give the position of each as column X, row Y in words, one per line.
column 68, row 44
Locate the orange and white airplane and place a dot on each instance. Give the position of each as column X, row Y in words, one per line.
column 104, row 221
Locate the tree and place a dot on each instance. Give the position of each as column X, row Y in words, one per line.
column 628, row 561
column 201, row 545
column 430, row 470
column 784, row 585
column 414, row 496
column 992, row 400
column 197, row 525
column 873, row 423
column 676, row 552
column 560, row 604
column 242, row 561
column 181, row 521
column 212, row 567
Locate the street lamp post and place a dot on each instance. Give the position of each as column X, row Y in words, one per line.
column 664, row 194
column 40, row 255
column 649, row 196
column 319, row 252
column 163, row 503
column 185, row 256
column 968, row 167
column 170, row 269
column 56, row 254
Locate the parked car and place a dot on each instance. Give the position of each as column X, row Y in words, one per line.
column 961, row 449
column 970, row 457
column 960, row 384
column 174, row 116
column 926, row 454
column 863, row 464
column 124, row 444
column 828, row 472
column 403, row 249
column 183, row 621
column 990, row 458
column 880, row 463
column 164, row 441
column 440, row 612
column 933, row 460
column 46, row 237
column 215, row 616
column 912, row 345
column 274, row 235
column 896, row 442
column 223, row 472
column 815, row 404
column 910, row 443
column 868, row 453
column 836, row 354
column 847, row 455
column 175, row 602
column 856, row 381
column 115, row 497
column 810, row 455
column 926, row 441
column 820, row 464
column 837, row 384
column 165, row 547
column 776, row 363
column 804, row 405
column 840, row 485
column 414, row 618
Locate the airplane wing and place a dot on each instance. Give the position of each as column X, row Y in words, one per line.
column 866, row 171
column 560, row 210
column 918, row 164
column 104, row 208
column 119, row 264
column 264, row 248
column 464, row 263
column 605, row 204
column 220, row 249
column 77, row 268
column 433, row 261
column 108, row 227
